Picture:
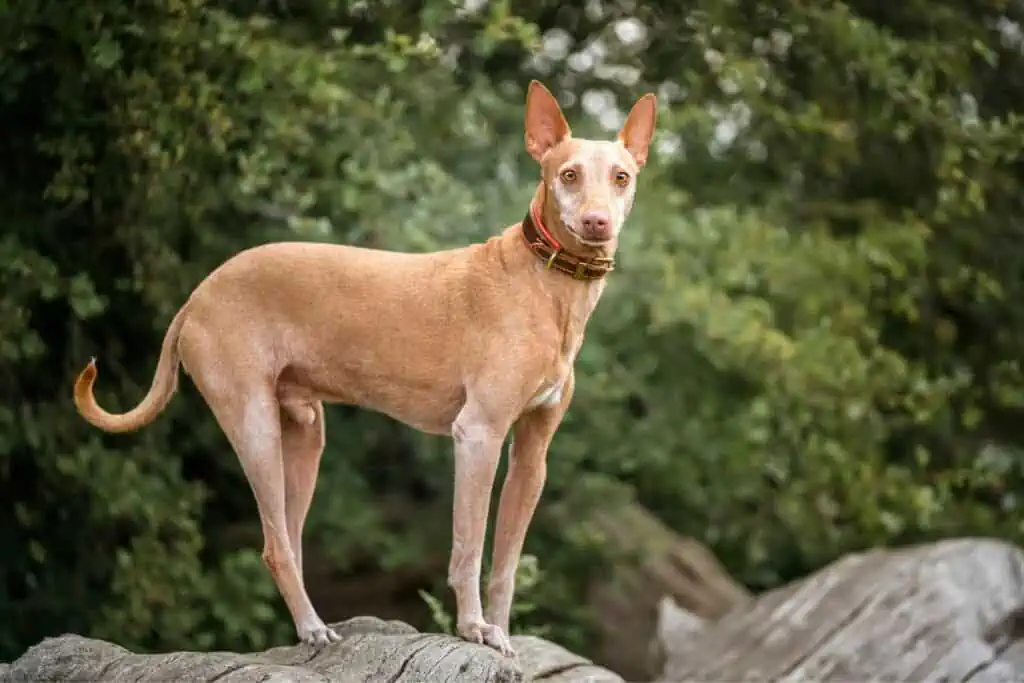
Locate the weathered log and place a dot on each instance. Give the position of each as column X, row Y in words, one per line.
column 653, row 562
column 949, row 611
column 370, row 650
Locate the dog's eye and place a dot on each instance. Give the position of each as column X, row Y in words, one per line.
column 568, row 176
column 622, row 178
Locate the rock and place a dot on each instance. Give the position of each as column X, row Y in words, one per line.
column 949, row 611
column 370, row 650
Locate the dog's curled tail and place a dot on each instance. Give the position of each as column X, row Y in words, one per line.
column 165, row 383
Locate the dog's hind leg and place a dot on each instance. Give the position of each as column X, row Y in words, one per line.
column 244, row 403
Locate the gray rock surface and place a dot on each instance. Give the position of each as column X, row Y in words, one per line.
column 948, row 611
column 370, row 650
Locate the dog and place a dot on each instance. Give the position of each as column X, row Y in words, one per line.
column 473, row 342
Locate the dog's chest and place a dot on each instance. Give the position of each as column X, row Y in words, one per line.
column 552, row 385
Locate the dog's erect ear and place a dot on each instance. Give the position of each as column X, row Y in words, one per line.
column 638, row 129
column 545, row 124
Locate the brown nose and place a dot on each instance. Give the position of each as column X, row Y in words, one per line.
column 596, row 225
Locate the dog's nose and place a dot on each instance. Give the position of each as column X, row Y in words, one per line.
column 596, row 225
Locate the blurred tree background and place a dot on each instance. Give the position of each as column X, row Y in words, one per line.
column 813, row 345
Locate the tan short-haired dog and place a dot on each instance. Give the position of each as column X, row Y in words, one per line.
column 471, row 342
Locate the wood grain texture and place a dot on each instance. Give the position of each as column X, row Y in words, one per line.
column 946, row 612
column 949, row 611
column 370, row 650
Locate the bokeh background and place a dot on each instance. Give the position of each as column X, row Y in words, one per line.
column 813, row 344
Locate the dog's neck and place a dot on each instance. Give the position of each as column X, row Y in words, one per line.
column 572, row 299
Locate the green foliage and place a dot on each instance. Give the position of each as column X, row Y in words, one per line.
column 843, row 341
column 812, row 346
column 442, row 620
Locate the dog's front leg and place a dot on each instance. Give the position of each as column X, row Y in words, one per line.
column 527, row 470
column 477, row 450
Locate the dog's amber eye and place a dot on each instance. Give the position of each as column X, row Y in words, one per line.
column 622, row 178
column 568, row 176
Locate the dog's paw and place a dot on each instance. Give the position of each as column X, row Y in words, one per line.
column 319, row 636
column 487, row 634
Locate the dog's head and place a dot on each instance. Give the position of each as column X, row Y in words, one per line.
column 589, row 185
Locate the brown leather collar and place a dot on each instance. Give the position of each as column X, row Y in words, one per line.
column 543, row 244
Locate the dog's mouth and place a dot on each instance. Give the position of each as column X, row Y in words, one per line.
column 589, row 241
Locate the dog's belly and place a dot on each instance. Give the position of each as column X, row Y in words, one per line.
column 428, row 407
column 431, row 411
